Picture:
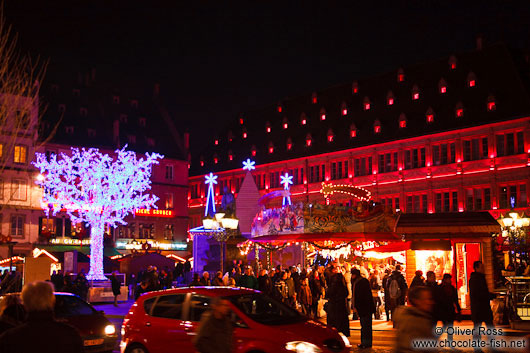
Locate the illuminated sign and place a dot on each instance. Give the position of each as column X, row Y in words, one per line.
column 155, row 245
column 154, row 213
column 69, row 241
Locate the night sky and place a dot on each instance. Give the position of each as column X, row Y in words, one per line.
column 214, row 61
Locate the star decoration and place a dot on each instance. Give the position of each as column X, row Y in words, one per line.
column 286, row 180
column 249, row 165
column 211, row 179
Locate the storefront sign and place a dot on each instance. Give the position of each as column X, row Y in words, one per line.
column 154, row 245
column 154, row 213
column 69, row 241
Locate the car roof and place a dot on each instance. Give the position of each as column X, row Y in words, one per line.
column 204, row 290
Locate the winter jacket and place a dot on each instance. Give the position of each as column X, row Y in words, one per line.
column 412, row 324
column 480, row 296
column 41, row 333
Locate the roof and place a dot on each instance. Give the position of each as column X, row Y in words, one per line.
column 497, row 75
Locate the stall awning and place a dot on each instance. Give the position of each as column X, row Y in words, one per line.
column 414, row 245
column 283, row 238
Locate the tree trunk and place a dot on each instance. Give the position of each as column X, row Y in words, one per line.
column 96, row 252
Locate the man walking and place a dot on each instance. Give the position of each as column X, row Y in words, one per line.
column 215, row 331
column 480, row 297
column 363, row 303
column 397, row 290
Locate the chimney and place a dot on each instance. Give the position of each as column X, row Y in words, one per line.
column 479, row 42
column 156, row 90
column 93, row 74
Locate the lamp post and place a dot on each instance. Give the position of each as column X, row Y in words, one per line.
column 513, row 226
column 221, row 228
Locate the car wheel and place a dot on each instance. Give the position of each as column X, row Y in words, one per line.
column 136, row 348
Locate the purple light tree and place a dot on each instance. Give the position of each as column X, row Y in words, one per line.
column 97, row 189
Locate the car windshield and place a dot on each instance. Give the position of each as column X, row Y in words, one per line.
column 265, row 310
column 69, row 305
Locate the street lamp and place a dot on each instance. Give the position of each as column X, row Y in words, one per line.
column 221, row 228
column 513, row 227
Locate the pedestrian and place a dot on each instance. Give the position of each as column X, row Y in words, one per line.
column 265, row 283
column 375, row 287
column 81, row 285
column 237, row 274
column 414, row 322
column 248, row 280
column 281, row 292
column 115, row 284
column 435, row 291
column 295, row 276
column 316, row 292
column 386, row 295
column 346, row 272
column 363, row 304
column 215, row 331
column 418, row 279
column 218, row 280
column 448, row 305
column 397, row 289
column 337, row 303
column 306, row 299
column 40, row 333
column 205, row 279
column 196, row 280
column 480, row 296
column 291, row 290
column 68, row 285
column 143, row 287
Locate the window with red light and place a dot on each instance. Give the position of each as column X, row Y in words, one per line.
column 289, row 146
column 388, row 162
column 415, row 158
column 353, row 133
column 355, row 88
column 339, row 170
column 344, row 111
column 402, row 124
column 472, row 83
column 317, row 173
column 268, row 128
column 377, row 127
column 417, row 203
column 362, row 166
column 202, row 163
column 478, row 199
column 513, row 195
column 443, row 89
column 453, row 66
column 244, row 135
column 230, row 157
column 323, row 117
column 241, row 121
column 510, row 143
column 471, row 79
column 279, row 109
column 416, row 96
column 366, row 106
column 308, row 142
column 491, row 106
column 390, row 101
column 430, row 118
column 215, row 160
column 444, row 153
column 446, row 201
column 459, row 112
column 314, row 98
column 216, row 142
column 390, row 203
column 401, row 75
column 304, row 121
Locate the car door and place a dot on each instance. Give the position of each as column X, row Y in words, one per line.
column 164, row 326
column 196, row 306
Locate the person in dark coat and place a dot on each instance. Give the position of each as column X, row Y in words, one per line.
column 248, row 280
column 196, row 280
column 448, row 304
column 215, row 331
column 418, row 279
column 218, row 280
column 363, row 303
column 68, row 285
column 116, row 291
column 265, row 283
column 480, row 296
column 435, row 291
column 316, row 292
column 396, row 299
column 40, row 333
column 385, row 294
column 81, row 284
column 337, row 309
column 205, row 280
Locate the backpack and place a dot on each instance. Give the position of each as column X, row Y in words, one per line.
column 393, row 289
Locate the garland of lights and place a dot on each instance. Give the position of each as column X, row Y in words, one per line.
column 96, row 189
column 337, row 247
column 354, row 191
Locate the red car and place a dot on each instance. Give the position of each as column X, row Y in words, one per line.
column 165, row 319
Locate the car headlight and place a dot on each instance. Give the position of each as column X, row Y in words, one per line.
column 110, row 330
column 302, row 347
column 345, row 339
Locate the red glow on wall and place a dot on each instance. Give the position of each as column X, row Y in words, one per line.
column 285, row 125
column 390, row 101
column 430, row 118
column 401, row 77
column 403, row 124
column 366, row 106
column 344, row 111
column 241, row 121
column 323, row 117
column 460, row 112
column 253, row 153
column 308, row 142
column 304, row 121
column 279, row 109
column 330, row 138
column 268, row 129
column 216, row 142
column 271, row 149
column 443, row 89
column 353, row 133
column 416, row 96
column 314, row 100
column 491, row 106
column 453, row 66
column 289, row 146
column 377, row 129
column 244, row 135
column 472, row 83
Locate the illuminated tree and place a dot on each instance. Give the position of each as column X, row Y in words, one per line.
column 97, row 189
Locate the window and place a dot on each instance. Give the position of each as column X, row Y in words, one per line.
column 510, row 143
column 20, row 154
column 169, row 306
column 274, row 180
column 443, row 153
column 322, row 114
column 402, row 121
column 146, row 231
column 415, row 158
column 199, row 304
column 355, row 87
column 168, row 232
column 46, row 226
column 123, row 118
column 377, row 126
column 446, row 201
column 388, row 162
column 415, row 92
column 362, row 166
column 150, row 142
column 169, row 172
column 134, row 103
column 17, row 225
column 131, row 139
column 417, row 203
column 511, row 196
column 478, row 199
column 116, row 99
column 69, row 305
column 169, row 201
column 83, row 112
column 476, row 149
column 91, row 132
column 339, row 170
column 18, row 189
column 390, row 98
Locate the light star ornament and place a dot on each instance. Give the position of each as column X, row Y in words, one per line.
column 211, row 180
column 286, row 180
column 249, row 165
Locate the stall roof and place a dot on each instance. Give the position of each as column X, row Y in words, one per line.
column 447, row 225
column 107, row 251
column 360, row 236
column 414, row 245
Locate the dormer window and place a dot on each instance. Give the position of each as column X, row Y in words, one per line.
column 83, row 112
column 331, row 135
column 459, row 110
column 429, row 115
column 134, row 103
column 216, row 142
column 123, row 118
column 353, row 131
column 116, row 99
column 280, row 108
column 344, row 109
column 314, row 98
column 322, row 114
column 245, row 135
column 69, row 130
column 415, row 92
column 442, row 86
column 91, row 132
column 355, row 87
column 230, row 155
column 271, row 147
column 230, row 136
column 366, row 103
column 285, row 123
column 491, row 103
column 150, row 142
column 202, row 161
column 141, row 122
column 303, row 119
column 253, row 151
column 402, row 121
column 377, row 126
column 215, row 159
column 268, row 127
column 400, row 75
column 289, row 144
column 471, row 80
column 131, row 139
column 241, row 121
column 390, row 98
column 76, row 92
column 452, row 62
column 308, row 140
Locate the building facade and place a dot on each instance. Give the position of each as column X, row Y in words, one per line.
column 452, row 135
